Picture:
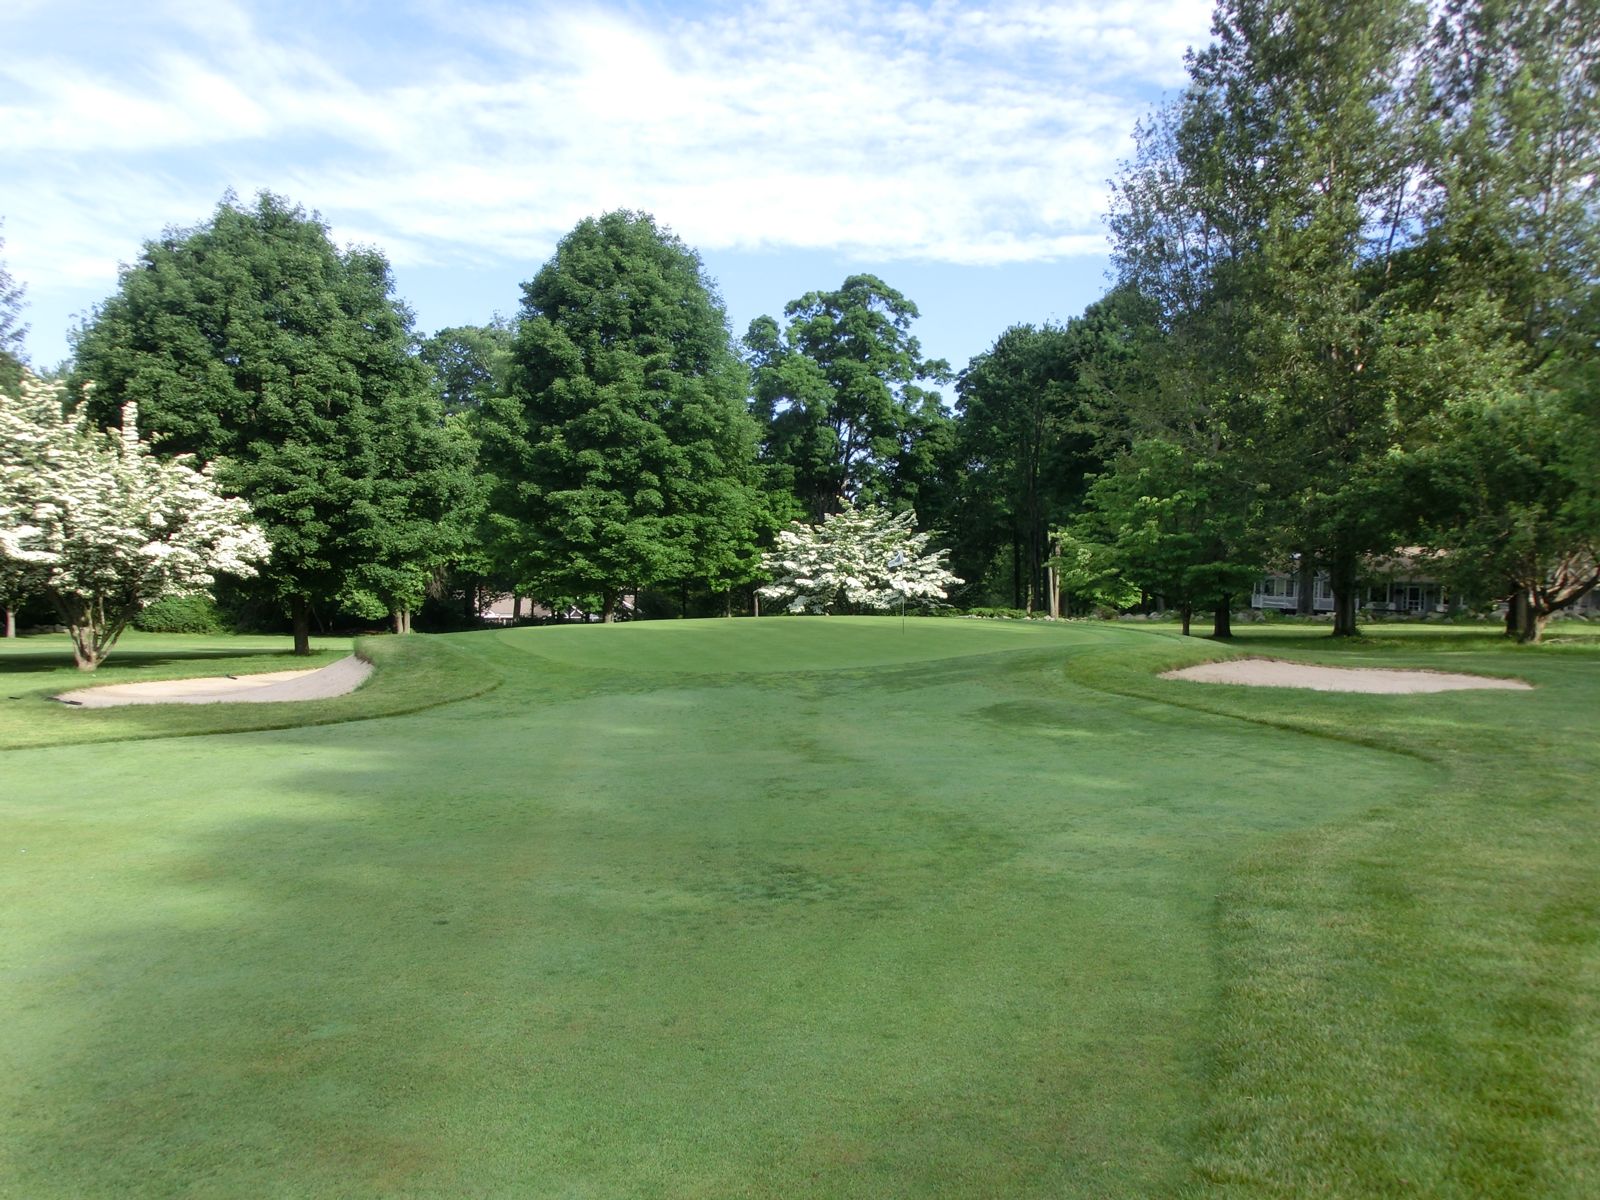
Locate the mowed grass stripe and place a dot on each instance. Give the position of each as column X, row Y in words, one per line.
column 936, row 927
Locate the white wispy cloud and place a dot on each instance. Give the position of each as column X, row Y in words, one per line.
column 965, row 133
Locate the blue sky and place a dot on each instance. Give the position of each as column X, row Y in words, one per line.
column 960, row 151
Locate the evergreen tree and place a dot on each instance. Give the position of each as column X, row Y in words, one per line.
column 623, row 455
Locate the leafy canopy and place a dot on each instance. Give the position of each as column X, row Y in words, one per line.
column 836, row 390
column 251, row 341
column 623, row 455
column 104, row 526
column 861, row 558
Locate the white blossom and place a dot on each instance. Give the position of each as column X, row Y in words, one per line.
column 864, row 558
column 101, row 525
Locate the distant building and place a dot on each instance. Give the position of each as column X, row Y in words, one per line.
column 1400, row 584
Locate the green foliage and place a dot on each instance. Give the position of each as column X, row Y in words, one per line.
column 12, row 329
column 180, row 614
column 1513, row 238
column 836, row 393
column 1091, row 573
column 1030, row 432
column 470, row 363
column 1176, row 526
column 623, row 455
column 1264, row 215
column 253, row 342
column 1372, row 245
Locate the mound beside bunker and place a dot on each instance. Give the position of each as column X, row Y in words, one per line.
column 320, row 683
column 1272, row 672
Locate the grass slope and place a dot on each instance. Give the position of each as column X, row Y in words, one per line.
column 806, row 907
column 35, row 669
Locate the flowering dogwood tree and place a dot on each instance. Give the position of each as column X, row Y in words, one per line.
column 863, row 558
column 101, row 526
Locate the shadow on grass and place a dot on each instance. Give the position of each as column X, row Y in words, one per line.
column 622, row 954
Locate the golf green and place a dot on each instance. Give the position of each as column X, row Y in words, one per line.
column 729, row 908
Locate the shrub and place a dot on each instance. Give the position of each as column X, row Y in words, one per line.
column 180, row 614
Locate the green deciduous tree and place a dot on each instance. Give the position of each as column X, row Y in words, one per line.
column 1264, row 214
column 252, row 342
column 103, row 525
column 1181, row 527
column 837, row 393
column 1033, row 415
column 469, row 362
column 624, row 456
column 12, row 329
column 1511, row 268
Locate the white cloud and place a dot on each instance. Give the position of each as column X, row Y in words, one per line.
column 961, row 133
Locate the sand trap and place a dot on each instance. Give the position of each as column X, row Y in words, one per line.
column 321, row 683
column 1271, row 672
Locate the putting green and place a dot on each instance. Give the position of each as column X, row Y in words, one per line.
column 783, row 645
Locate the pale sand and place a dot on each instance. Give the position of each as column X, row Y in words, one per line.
column 1271, row 672
column 321, row 683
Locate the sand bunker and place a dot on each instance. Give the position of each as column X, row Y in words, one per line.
column 1271, row 672
column 275, row 686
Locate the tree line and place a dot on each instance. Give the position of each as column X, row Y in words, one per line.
column 1354, row 309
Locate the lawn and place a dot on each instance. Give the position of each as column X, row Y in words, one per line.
column 805, row 907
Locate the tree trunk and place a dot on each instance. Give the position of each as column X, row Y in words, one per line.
column 11, row 622
column 1054, row 581
column 1016, row 571
column 1531, row 619
column 1516, row 603
column 516, row 607
column 1305, row 596
column 1187, row 612
column 755, row 601
column 300, row 614
column 1344, row 610
column 608, row 608
column 727, row 605
column 1222, row 618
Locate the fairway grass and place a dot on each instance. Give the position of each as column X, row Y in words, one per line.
column 807, row 907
